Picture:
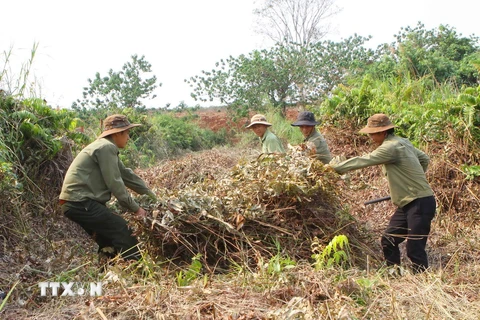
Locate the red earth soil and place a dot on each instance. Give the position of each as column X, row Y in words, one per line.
column 218, row 118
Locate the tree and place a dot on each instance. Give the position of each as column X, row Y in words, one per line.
column 295, row 21
column 119, row 90
column 332, row 63
column 282, row 75
column 252, row 81
column 441, row 53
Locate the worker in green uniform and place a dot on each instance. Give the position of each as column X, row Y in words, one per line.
column 270, row 142
column 404, row 166
column 306, row 123
column 94, row 176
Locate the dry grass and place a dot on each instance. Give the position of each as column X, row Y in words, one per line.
column 298, row 293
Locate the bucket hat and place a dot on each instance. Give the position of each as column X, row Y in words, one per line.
column 116, row 123
column 258, row 119
column 377, row 123
column 305, row 118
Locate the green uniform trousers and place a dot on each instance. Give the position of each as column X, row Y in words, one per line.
column 107, row 229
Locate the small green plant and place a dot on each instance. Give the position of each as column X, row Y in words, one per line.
column 366, row 286
column 471, row 171
column 184, row 278
column 278, row 263
column 336, row 253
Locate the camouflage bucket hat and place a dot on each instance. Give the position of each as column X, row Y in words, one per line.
column 258, row 119
column 116, row 123
column 377, row 123
column 305, row 118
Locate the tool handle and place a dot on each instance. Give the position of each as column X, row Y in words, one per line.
column 377, row 200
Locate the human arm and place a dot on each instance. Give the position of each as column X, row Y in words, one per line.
column 108, row 162
column 133, row 181
column 322, row 152
column 384, row 154
column 423, row 159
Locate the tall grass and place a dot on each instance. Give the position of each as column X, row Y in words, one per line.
column 16, row 82
column 282, row 127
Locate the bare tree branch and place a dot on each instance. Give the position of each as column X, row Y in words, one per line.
column 297, row 21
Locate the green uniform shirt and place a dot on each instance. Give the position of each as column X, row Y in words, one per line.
column 271, row 143
column 97, row 172
column 403, row 164
column 321, row 149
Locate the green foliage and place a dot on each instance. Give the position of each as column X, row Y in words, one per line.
column 420, row 108
column 416, row 81
column 441, row 53
column 162, row 134
column 471, row 172
column 279, row 263
column 283, row 128
column 37, row 128
column 336, row 253
column 283, row 75
column 8, row 179
column 185, row 278
column 181, row 133
column 30, row 133
column 119, row 90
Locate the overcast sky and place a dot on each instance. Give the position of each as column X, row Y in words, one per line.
column 179, row 37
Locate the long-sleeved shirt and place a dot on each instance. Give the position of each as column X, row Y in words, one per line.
column 97, row 172
column 403, row 164
column 321, row 148
column 271, row 143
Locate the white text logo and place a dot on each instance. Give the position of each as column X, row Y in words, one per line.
column 70, row 289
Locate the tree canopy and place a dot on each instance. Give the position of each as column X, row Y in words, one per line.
column 441, row 53
column 282, row 75
column 122, row 89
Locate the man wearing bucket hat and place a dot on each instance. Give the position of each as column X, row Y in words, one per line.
column 306, row 123
column 94, row 175
column 270, row 142
column 404, row 166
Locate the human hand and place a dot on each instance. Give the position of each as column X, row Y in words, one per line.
column 329, row 168
column 141, row 213
column 337, row 160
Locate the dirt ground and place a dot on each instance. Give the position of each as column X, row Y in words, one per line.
column 216, row 118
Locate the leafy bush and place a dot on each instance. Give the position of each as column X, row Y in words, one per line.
column 180, row 133
column 441, row 53
column 31, row 131
column 420, row 109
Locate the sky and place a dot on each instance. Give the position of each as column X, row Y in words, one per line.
column 180, row 38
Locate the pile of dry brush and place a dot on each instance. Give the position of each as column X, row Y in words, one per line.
column 245, row 213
